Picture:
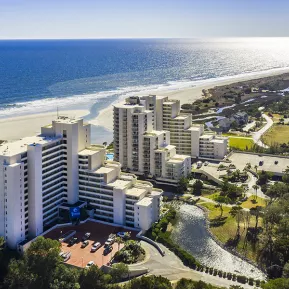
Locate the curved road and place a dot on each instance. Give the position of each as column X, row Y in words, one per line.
column 171, row 267
column 258, row 134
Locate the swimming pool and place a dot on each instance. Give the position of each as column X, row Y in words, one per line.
column 109, row 157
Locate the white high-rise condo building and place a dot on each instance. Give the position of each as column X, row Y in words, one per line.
column 142, row 149
column 162, row 115
column 44, row 174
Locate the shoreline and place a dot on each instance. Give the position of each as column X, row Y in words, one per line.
column 13, row 128
column 186, row 95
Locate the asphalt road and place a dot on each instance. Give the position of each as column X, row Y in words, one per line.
column 258, row 134
column 171, row 267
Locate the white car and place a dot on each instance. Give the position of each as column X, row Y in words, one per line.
column 206, row 163
column 89, row 264
column 95, row 246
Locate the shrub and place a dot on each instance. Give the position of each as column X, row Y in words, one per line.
column 242, row 279
column 251, row 281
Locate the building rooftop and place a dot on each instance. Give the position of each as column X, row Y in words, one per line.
column 66, row 119
column 218, row 140
column 177, row 159
column 104, row 170
column 182, row 116
column 20, row 146
column 195, row 128
column 135, row 192
column 119, row 184
column 165, row 148
column 206, row 136
column 87, row 152
column 156, row 192
column 145, row 202
column 154, row 133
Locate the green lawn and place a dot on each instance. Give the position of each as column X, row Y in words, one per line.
column 253, row 202
column 276, row 134
column 241, row 142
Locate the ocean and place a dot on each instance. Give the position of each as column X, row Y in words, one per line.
column 41, row 75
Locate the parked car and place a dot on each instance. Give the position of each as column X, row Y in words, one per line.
column 206, row 163
column 107, row 250
column 84, row 244
column 108, row 242
column 66, row 256
column 121, row 234
column 95, row 247
column 89, row 264
column 73, row 241
column 86, row 236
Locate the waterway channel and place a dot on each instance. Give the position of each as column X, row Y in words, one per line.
column 192, row 235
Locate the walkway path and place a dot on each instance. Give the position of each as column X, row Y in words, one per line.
column 171, row 267
column 258, row 134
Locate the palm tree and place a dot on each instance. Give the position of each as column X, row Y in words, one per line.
column 236, row 212
column 104, row 143
column 256, row 212
column 119, row 241
column 255, row 187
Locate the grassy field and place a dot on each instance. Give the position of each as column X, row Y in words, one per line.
column 227, row 228
column 253, row 202
column 241, row 142
column 277, row 134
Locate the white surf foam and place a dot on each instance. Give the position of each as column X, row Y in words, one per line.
column 86, row 100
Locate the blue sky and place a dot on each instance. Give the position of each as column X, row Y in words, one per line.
column 53, row 19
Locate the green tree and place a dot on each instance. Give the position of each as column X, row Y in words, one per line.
column 256, row 212
column 236, row 212
column 94, row 278
column 65, row 278
column 119, row 241
column 19, row 276
column 221, row 200
column 150, row 282
column 255, row 187
column 197, row 187
column 281, row 283
column 119, row 271
column 37, row 265
column 182, row 185
column 256, row 168
column 285, row 273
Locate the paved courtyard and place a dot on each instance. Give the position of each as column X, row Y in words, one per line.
column 241, row 159
column 99, row 233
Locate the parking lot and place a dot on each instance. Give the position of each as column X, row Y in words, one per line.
column 99, row 233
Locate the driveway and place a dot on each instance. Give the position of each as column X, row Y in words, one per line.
column 171, row 267
column 258, row 134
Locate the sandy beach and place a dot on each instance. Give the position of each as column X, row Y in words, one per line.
column 20, row 126
column 187, row 95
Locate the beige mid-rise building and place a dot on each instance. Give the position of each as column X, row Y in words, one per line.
column 183, row 135
column 139, row 147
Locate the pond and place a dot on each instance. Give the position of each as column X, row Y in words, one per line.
column 192, row 235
